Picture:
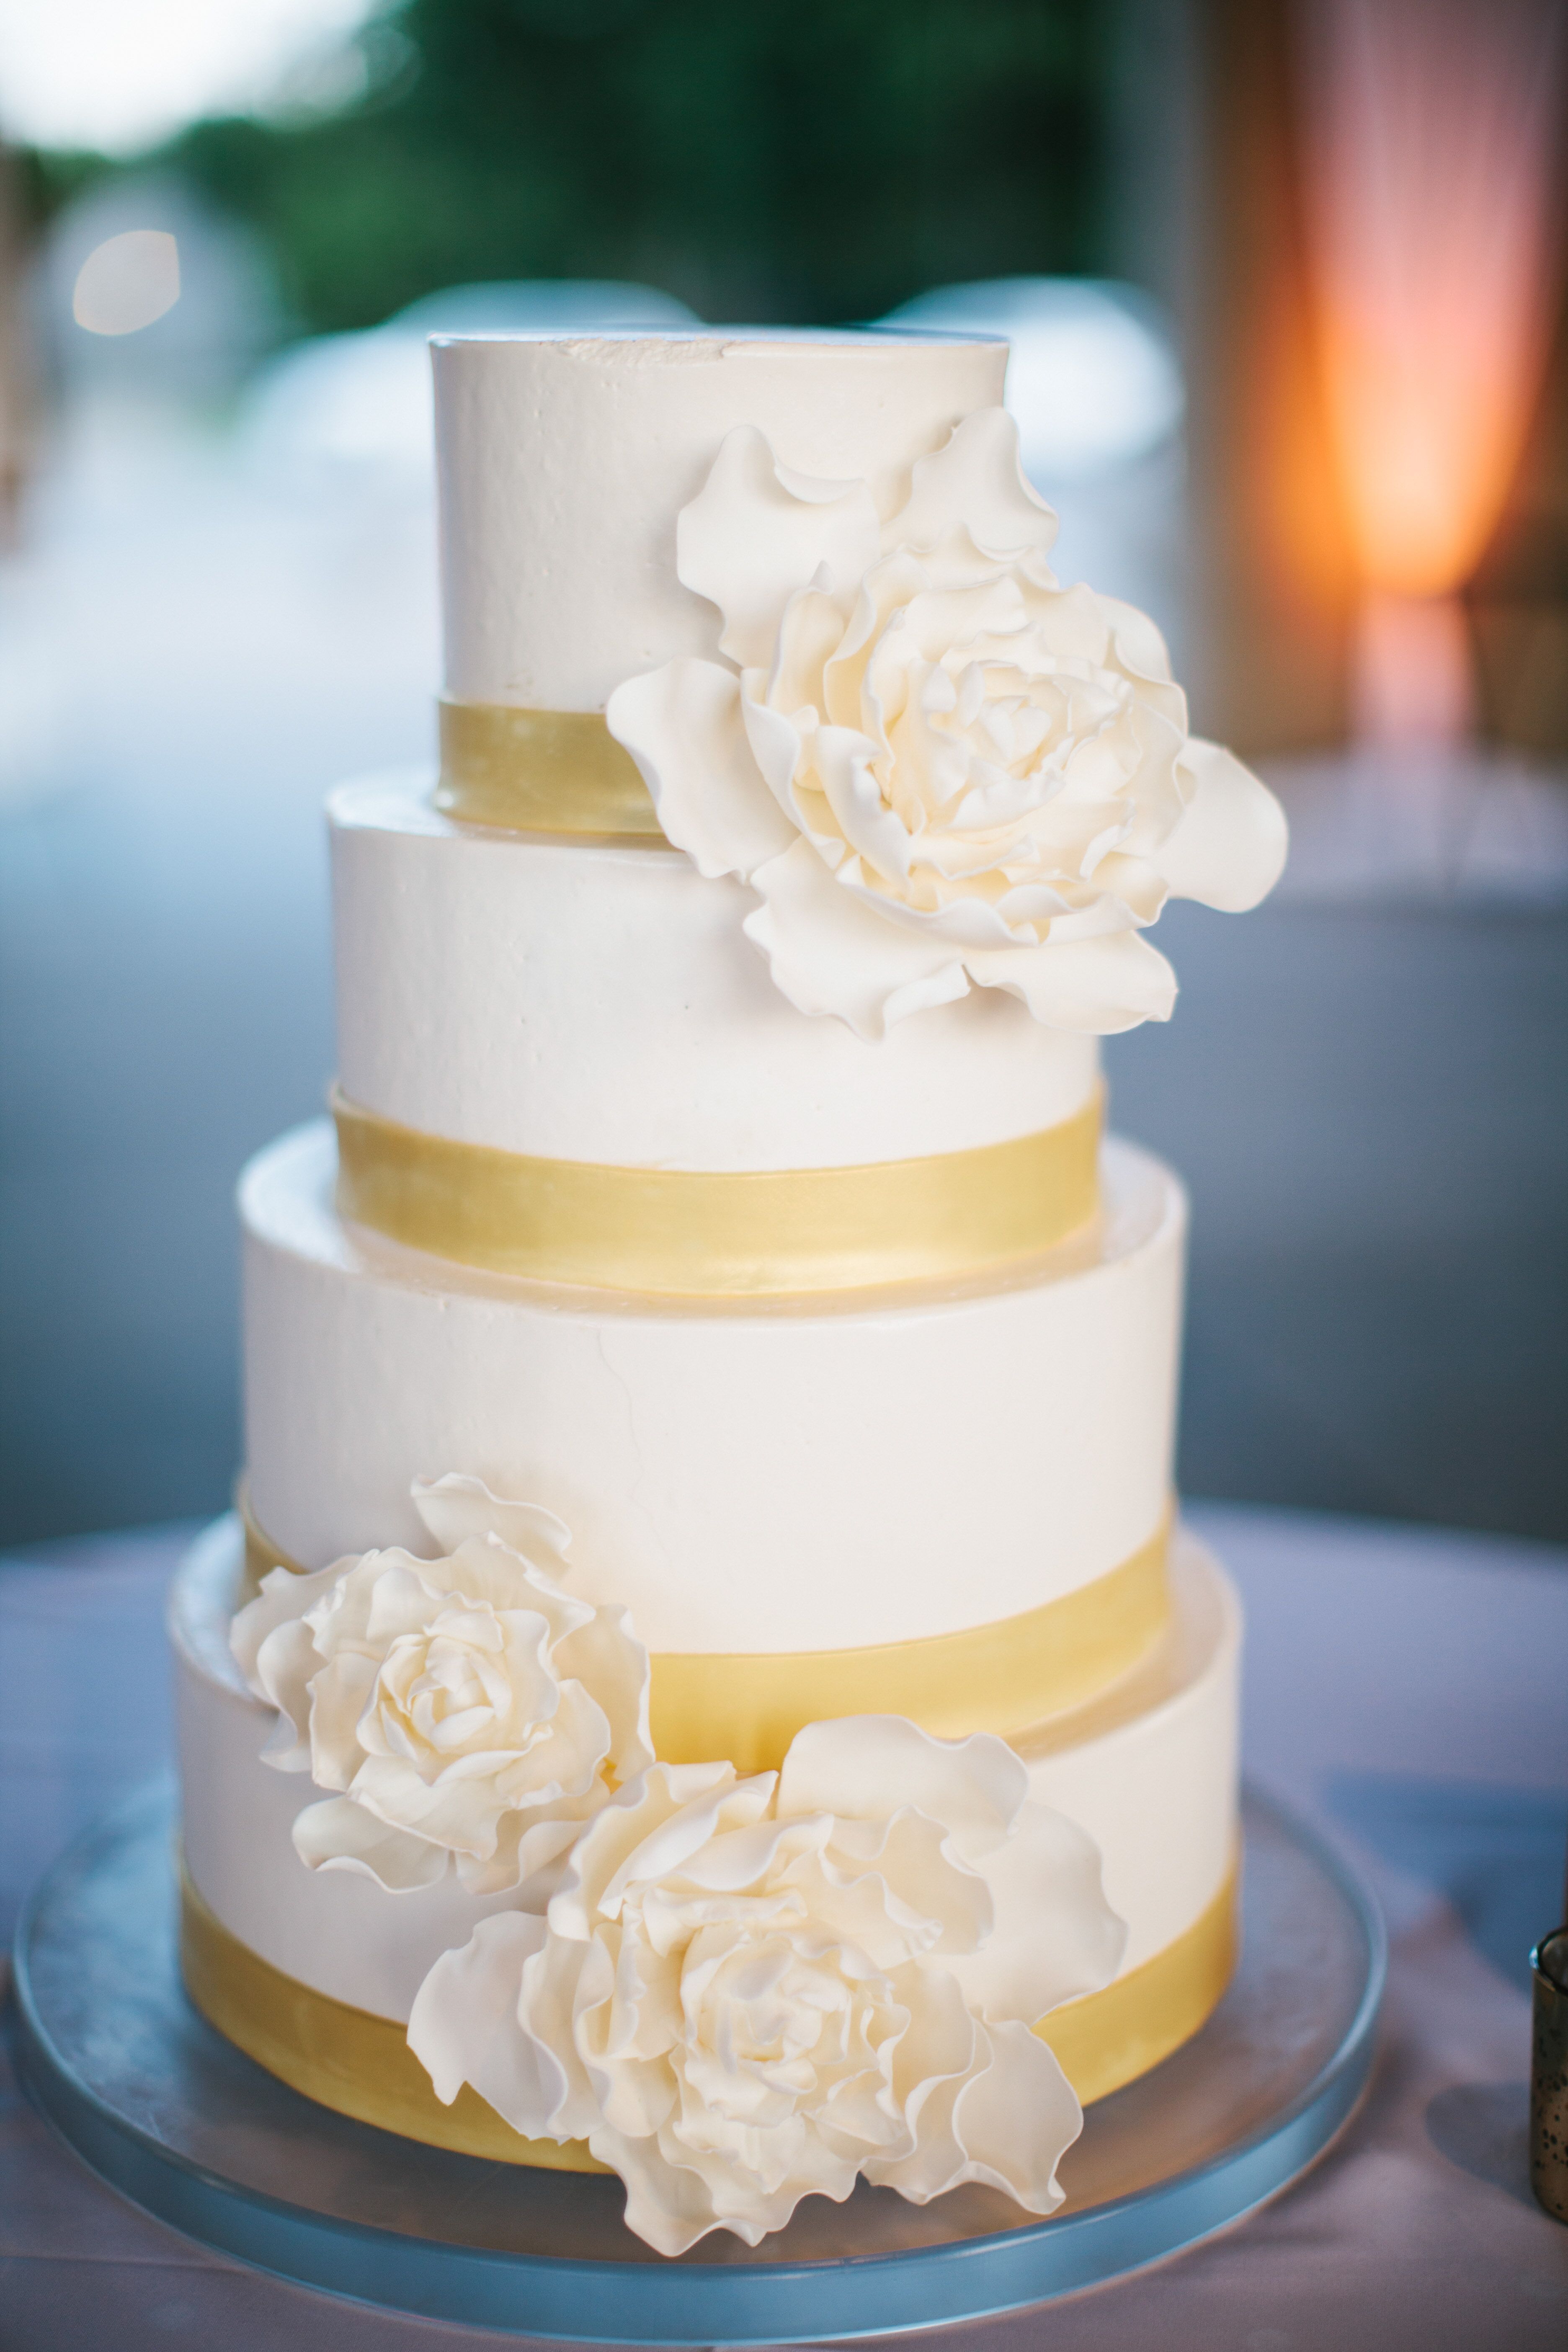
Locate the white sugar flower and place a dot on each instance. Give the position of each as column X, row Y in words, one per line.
column 746, row 1990
column 463, row 1707
column 932, row 764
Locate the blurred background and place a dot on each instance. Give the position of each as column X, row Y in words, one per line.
column 1285, row 284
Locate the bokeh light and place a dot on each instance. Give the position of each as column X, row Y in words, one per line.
column 127, row 283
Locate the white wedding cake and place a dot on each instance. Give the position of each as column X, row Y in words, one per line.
column 705, row 1679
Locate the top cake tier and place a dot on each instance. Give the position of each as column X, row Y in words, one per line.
column 565, row 460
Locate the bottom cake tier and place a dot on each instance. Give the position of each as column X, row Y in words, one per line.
column 313, row 1973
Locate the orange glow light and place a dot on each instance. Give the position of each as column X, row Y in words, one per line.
column 1430, row 130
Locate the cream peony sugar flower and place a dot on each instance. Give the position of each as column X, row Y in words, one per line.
column 745, row 1991
column 932, row 764
column 464, row 1706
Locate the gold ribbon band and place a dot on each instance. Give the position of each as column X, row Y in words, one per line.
column 1000, row 1677
column 541, row 772
column 699, row 1233
column 361, row 2065
column 1108, row 2038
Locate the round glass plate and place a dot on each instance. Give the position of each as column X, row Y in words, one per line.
column 176, row 2118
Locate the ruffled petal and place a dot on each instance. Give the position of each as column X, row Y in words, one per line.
column 606, row 1656
column 757, row 531
column 1016, row 2119
column 529, row 1854
column 670, row 2206
column 829, row 951
column 869, row 1767
column 1095, row 987
column 463, row 2027
column 776, row 747
column 964, row 922
column 897, row 1889
column 1227, row 849
column 283, row 1600
column 340, row 1694
column 634, row 1813
column 811, row 631
column 682, row 724
column 975, row 482
column 1055, row 1937
column 337, row 1835
column 936, row 2057
column 843, row 758
column 457, row 1815
column 456, row 1507
column 286, row 1664
column 1140, row 648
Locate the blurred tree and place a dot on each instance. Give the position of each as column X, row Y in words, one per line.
column 781, row 160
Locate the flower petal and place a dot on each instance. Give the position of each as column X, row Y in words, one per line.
column 682, row 726
column 633, row 1815
column 843, row 758
column 1227, row 849
column 464, row 2027
column 776, row 747
column 962, row 922
column 530, row 1859
column 1055, row 1936
column 286, row 1664
column 975, row 482
column 869, row 1767
column 830, row 951
column 337, row 1835
column 1140, row 648
column 456, row 1507
column 607, row 1656
column 283, row 1600
column 669, row 2206
column 1095, row 987
column 1016, row 2118
column 757, row 531
column 340, row 1694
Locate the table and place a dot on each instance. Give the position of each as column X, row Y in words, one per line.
column 1408, row 1688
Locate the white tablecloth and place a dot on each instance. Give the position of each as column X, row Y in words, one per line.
column 1408, row 1688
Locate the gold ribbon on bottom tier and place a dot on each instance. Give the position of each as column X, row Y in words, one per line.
column 1000, row 1677
column 360, row 2064
column 721, row 1232
column 1003, row 1677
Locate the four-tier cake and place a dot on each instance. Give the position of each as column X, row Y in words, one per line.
column 706, row 1678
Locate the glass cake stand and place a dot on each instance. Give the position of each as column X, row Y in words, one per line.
column 175, row 2116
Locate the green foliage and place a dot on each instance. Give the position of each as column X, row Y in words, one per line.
column 769, row 160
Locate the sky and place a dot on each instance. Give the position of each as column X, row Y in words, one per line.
column 121, row 78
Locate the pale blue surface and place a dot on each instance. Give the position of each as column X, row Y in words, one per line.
column 167, row 2112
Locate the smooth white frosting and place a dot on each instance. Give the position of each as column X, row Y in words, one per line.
column 794, row 1479
column 1149, row 1771
column 583, row 1002
column 562, row 462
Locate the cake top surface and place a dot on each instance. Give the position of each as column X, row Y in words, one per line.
column 662, row 343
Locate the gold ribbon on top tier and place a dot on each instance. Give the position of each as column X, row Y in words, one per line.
column 361, row 2064
column 541, row 772
column 719, row 1233
column 1001, row 1677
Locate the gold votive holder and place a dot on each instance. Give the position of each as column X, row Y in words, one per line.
column 1549, row 2077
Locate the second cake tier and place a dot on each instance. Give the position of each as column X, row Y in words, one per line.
column 751, row 1481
